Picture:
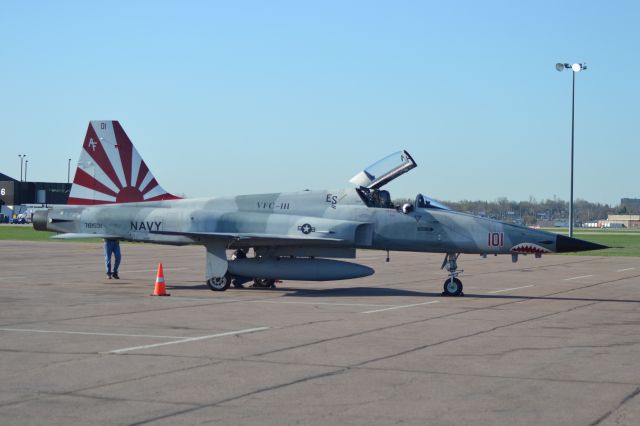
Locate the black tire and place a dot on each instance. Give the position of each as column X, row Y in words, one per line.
column 452, row 288
column 264, row 283
column 219, row 283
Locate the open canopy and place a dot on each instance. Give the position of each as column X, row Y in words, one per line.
column 384, row 171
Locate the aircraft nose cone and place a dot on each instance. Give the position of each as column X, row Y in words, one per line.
column 567, row 244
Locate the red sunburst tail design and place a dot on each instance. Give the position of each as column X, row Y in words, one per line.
column 110, row 170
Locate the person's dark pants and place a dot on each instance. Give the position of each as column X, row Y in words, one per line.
column 112, row 247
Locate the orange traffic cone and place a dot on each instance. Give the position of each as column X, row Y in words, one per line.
column 160, row 289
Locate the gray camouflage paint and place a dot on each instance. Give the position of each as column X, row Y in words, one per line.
column 275, row 224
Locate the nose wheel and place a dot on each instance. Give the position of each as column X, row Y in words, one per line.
column 452, row 286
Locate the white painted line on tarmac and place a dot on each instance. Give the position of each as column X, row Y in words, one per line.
column 577, row 278
column 625, row 269
column 400, row 307
column 87, row 333
column 509, row 289
column 189, row 339
column 316, row 303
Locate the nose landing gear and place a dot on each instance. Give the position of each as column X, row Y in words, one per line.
column 452, row 286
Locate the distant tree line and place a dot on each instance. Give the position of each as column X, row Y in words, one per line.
column 534, row 212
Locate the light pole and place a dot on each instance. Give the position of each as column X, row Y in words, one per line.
column 575, row 68
column 68, row 169
column 26, row 165
column 22, row 157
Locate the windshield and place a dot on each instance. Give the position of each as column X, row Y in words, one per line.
column 385, row 170
column 424, row 202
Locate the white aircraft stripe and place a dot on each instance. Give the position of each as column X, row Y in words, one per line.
column 157, row 190
column 87, row 164
column 108, row 141
column 136, row 160
column 79, row 191
column 146, row 181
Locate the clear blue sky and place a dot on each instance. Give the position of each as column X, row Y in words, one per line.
column 239, row 97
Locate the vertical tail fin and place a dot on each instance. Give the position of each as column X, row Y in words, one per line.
column 110, row 170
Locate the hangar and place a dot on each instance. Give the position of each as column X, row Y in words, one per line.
column 16, row 193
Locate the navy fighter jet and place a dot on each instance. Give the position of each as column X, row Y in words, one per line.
column 290, row 236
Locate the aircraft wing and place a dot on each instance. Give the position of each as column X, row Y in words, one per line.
column 257, row 239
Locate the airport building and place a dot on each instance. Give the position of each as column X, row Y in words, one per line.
column 622, row 221
column 15, row 194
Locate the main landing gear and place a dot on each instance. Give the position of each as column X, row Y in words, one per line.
column 263, row 283
column 452, row 286
column 219, row 283
column 224, row 282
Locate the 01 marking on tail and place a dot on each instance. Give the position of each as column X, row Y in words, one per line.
column 295, row 236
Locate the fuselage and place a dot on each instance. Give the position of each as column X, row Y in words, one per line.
column 339, row 215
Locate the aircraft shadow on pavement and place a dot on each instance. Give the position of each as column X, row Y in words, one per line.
column 381, row 291
column 187, row 287
column 392, row 292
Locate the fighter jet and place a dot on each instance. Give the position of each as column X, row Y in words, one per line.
column 278, row 236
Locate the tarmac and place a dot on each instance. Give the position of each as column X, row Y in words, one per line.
column 554, row 340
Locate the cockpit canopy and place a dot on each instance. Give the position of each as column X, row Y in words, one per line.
column 374, row 177
column 384, row 171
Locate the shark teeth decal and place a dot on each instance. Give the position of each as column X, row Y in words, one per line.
column 526, row 248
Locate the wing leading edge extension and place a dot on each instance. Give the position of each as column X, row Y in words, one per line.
column 256, row 239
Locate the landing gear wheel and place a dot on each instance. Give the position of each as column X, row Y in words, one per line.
column 452, row 287
column 219, row 283
column 263, row 283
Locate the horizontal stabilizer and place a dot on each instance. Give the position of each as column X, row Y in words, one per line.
column 81, row 236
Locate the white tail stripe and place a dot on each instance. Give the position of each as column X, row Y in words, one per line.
column 108, row 142
column 157, row 190
column 146, row 181
column 79, row 191
column 136, row 160
column 87, row 164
